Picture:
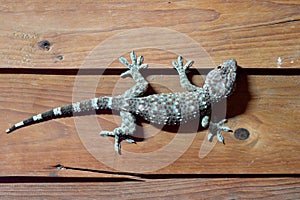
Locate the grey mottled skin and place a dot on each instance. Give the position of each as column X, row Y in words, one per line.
column 171, row 108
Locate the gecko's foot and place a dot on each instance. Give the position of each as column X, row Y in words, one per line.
column 135, row 66
column 216, row 128
column 119, row 137
column 179, row 65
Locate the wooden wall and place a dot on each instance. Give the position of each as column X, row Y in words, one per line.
column 55, row 52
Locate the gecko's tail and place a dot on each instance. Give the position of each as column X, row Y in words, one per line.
column 64, row 111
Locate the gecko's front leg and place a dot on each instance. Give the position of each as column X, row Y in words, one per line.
column 181, row 69
column 215, row 128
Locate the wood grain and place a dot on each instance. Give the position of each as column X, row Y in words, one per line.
column 85, row 36
column 256, row 33
column 268, row 106
column 222, row 188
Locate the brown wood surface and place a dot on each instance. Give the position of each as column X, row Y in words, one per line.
column 268, row 106
column 256, row 33
column 248, row 188
column 264, row 37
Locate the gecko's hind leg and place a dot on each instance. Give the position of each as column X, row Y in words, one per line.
column 184, row 81
column 134, row 70
column 128, row 126
column 124, row 132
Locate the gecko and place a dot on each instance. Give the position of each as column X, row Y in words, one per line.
column 165, row 108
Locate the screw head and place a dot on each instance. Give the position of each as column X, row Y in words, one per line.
column 241, row 134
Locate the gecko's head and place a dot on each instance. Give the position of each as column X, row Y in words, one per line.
column 220, row 81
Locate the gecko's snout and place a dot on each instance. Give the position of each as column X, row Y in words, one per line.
column 231, row 63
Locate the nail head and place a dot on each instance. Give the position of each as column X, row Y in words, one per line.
column 241, row 134
column 60, row 57
column 44, row 44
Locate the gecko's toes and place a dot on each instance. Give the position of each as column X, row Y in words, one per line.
column 226, row 129
column 117, row 144
column 119, row 137
column 124, row 74
column 210, row 137
column 107, row 133
column 130, row 140
column 220, row 137
column 216, row 129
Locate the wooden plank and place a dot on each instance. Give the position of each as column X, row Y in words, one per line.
column 220, row 188
column 268, row 106
column 264, row 34
column 259, row 35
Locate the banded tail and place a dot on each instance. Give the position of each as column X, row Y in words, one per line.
column 67, row 110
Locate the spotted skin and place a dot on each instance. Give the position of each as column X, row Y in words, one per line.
column 170, row 108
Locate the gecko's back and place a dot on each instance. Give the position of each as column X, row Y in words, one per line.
column 169, row 108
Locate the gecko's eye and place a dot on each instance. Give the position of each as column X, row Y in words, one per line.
column 220, row 67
